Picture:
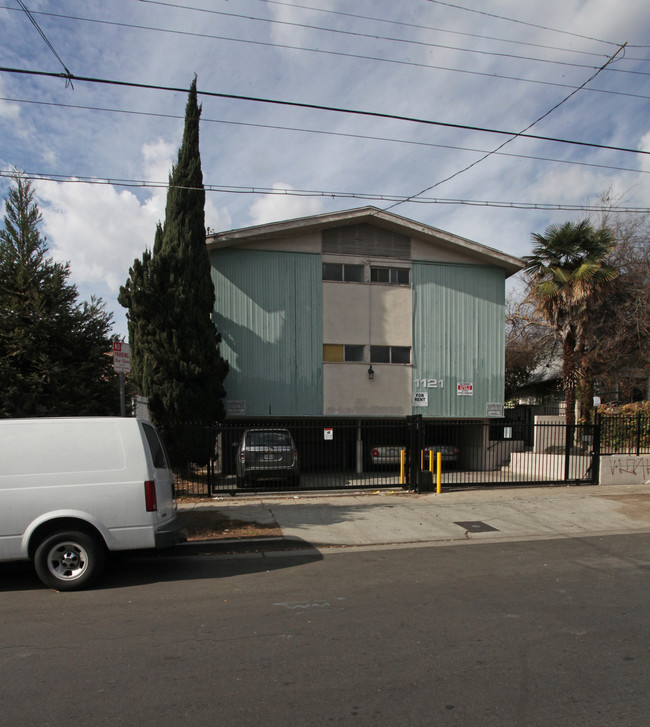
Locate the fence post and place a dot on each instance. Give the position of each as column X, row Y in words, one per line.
column 568, row 441
column 415, row 445
column 595, row 455
column 638, row 433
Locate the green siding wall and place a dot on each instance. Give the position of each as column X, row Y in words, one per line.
column 458, row 336
column 269, row 311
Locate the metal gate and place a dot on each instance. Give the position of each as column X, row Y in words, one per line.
column 350, row 454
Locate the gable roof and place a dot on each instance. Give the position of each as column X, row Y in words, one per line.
column 368, row 215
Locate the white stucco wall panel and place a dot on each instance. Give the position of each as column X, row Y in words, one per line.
column 345, row 312
column 347, row 390
column 366, row 313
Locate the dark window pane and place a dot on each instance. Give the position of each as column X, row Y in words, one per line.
column 400, row 355
column 353, row 273
column 156, row 447
column 400, row 276
column 332, row 271
column 354, row 353
column 379, row 275
column 380, row 354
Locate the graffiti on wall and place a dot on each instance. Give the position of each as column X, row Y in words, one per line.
column 622, row 465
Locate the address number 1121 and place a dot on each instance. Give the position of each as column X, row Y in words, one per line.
column 429, row 383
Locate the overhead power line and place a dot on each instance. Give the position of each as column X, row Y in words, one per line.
column 368, row 196
column 320, row 107
column 421, row 26
column 508, row 141
column 521, row 22
column 358, row 56
column 375, row 36
column 43, row 36
column 323, row 132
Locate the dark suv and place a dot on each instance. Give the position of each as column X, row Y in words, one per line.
column 267, row 454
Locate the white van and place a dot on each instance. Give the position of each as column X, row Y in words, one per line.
column 73, row 489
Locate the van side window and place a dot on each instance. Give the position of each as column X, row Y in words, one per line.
column 156, row 447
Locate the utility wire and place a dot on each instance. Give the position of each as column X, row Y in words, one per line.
column 231, row 189
column 515, row 136
column 375, row 36
column 440, row 30
column 319, row 107
column 276, row 127
column 522, row 22
column 321, row 51
column 47, row 42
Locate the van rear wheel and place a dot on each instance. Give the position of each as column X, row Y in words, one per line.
column 69, row 560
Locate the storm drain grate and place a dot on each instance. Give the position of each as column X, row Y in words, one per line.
column 476, row 526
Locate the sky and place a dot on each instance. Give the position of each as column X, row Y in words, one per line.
column 471, row 68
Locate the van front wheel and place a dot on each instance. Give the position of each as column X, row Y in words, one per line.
column 69, row 560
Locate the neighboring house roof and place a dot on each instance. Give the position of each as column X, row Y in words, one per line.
column 373, row 216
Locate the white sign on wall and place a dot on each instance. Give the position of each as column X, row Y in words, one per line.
column 420, row 398
column 494, row 409
column 465, row 389
column 328, row 434
column 235, row 407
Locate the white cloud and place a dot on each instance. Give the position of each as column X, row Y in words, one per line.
column 274, row 207
column 98, row 229
column 9, row 110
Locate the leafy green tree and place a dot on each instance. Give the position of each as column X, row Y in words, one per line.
column 169, row 299
column 617, row 355
column 567, row 271
column 54, row 351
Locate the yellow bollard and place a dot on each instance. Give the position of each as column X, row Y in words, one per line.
column 402, row 466
column 439, row 473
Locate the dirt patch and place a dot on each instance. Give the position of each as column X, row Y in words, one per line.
column 635, row 506
column 213, row 525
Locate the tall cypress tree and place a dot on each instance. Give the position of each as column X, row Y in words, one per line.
column 169, row 298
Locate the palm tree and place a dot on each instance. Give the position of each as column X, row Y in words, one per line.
column 567, row 270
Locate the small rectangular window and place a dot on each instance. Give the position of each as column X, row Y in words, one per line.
column 379, row 354
column 155, row 447
column 399, row 276
column 353, row 273
column 379, row 275
column 400, row 355
column 394, row 276
column 332, row 352
column 332, row 271
column 354, row 353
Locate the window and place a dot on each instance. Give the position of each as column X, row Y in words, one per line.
column 400, row 355
column 354, row 353
column 353, row 273
column 393, row 276
column 332, row 271
column 379, row 354
column 155, row 447
column 337, row 353
column 332, row 353
column 346, row 272
column 390, row 354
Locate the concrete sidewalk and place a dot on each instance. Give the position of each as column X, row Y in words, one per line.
column 476, row 515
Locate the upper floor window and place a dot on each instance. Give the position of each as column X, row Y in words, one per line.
column 336, row 352
column 393, row 276
column 390, row 354
column 346, row 272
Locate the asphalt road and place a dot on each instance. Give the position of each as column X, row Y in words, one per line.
column 533, row 633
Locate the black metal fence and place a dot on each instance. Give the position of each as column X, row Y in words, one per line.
column 353, row 454
column 624, row 433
